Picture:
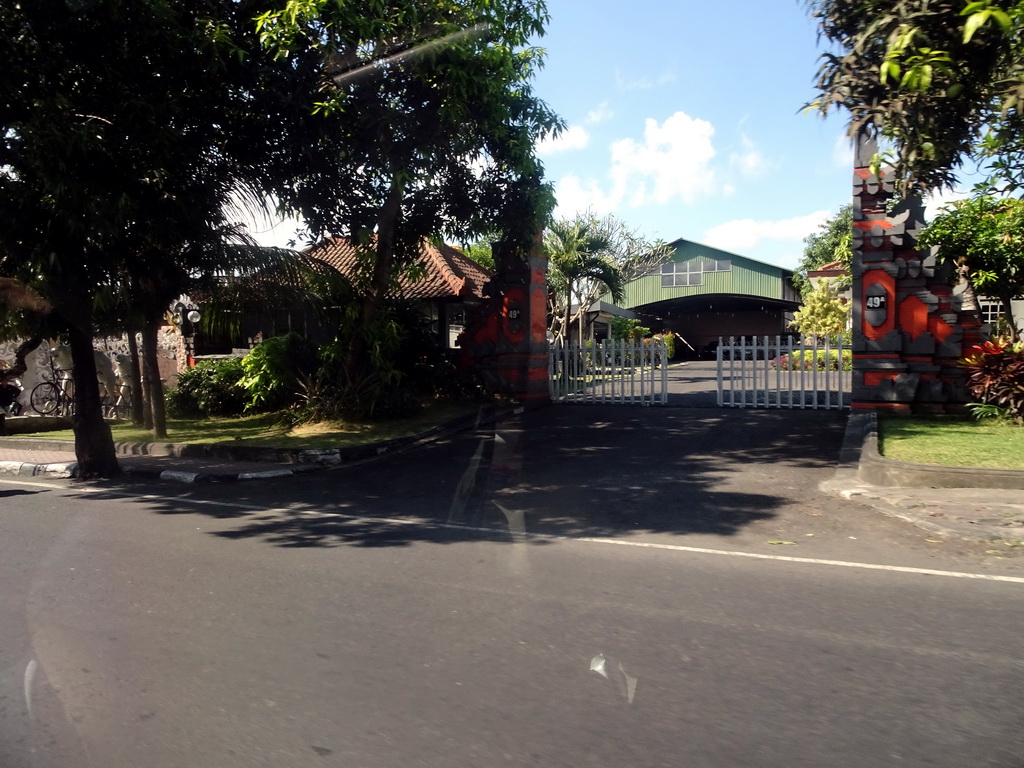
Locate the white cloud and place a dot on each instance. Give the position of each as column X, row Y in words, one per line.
column 842, row 152
column 573, row 137
column 934, row 201
column 575, row 196
column 750, row 161
column 672, row 162
column 741, row 235
column 600, row 113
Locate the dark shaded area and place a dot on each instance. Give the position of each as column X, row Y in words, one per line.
column 5, row 494
column 563, row 470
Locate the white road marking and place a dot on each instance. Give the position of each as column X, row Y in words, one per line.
column 423, row 523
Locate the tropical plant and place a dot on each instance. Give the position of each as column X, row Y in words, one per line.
column 941, row 80
column 589, row 258
column 575, row 251
column 273, row 369
column 995, row 376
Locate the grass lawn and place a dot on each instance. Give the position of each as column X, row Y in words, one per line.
column 269, row 430
column 952, row 442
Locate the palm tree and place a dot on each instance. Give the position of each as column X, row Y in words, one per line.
column 577, row 257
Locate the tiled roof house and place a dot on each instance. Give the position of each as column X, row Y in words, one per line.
column 450, row 282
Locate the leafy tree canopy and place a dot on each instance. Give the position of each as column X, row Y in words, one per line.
column 942, row 80
column 983, row 238
column 832, row 242
column 128, row 129
column 823, row 313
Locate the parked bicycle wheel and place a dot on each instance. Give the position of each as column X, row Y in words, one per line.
column 45, row 398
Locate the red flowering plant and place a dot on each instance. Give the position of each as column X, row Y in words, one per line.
column 995, row 376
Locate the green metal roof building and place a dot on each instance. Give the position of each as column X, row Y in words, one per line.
column 702, row 293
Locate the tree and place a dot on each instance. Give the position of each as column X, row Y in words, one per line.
column 120, row 157
column 823, row 313
column 589, row 257
column 432, row 121
column 983, row 239
column 942, row 80
column 832, row 242
column 481, row 252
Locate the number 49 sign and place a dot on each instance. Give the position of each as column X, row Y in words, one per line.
column 876, row 300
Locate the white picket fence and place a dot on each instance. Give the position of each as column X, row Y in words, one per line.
column 772, row 372
column 625, row 372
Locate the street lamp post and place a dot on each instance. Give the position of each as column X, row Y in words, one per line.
column 185, row 317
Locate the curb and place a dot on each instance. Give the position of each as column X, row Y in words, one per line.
column 305, row 460
column 29, row 469
column 889, row 473
column 948, row 501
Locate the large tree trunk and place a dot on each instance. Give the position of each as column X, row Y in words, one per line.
column 154, row 386
column 94, row 445
column 380, row 282
column 138, row 398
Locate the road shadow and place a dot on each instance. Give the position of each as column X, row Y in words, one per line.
column 599, row 471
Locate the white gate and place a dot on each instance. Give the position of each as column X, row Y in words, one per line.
column 766, row 372
column 629, row 372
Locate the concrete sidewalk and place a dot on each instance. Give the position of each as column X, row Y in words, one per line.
column 966, row 502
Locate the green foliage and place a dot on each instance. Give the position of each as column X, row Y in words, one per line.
column 832, row 242
column 130, row 130
column 481, row 253
column 210, row 388
column 823, row 313
column 589, row 258
column 670, row 342
column 809, row 360
column 983, row 238
column 995, row 375
column 942, row 81
column 272, row 371
column 628, row 328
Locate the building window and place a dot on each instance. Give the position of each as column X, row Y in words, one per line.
column 674, row 274
column 991, row 311
column 683, row 273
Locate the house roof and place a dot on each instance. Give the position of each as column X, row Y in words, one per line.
column 832, row 269
column 693, row 249
column 447, row 272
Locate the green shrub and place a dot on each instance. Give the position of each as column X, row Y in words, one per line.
column 670, row 343
column 273, row 369
column 211, row 388
column 995, row 375
column 810, row 360
column 626, row 328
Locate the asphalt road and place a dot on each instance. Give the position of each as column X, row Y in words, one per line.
column 589, row 587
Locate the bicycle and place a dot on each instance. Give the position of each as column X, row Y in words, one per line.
column 54, row 393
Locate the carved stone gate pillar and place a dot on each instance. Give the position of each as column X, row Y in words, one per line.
column 908, row 326
column 506, row 337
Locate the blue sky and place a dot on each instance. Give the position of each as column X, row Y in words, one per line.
column 685, row 120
